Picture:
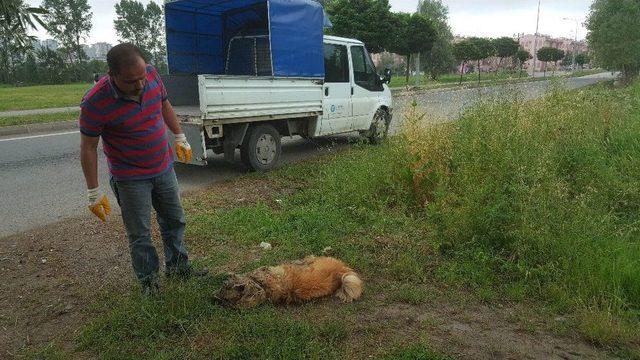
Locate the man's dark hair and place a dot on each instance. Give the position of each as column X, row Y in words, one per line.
column 122, row 55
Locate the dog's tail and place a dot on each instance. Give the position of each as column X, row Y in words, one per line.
column 351, row 287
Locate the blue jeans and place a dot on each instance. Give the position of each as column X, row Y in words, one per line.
column 136, row 197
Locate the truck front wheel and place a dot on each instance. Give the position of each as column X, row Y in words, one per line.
column 261, row 148
column 379, row 127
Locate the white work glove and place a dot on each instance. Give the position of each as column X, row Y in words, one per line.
column 98, row 204
column 183, row 149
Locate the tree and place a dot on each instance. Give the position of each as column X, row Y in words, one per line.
column 582, row 59
column 463, row 51
column 51, row 66
column 546, row 54
column 143, row 27
column 440, row 59
column 522, row 55
column 556, row 56
column 483, row 49
column 365, row 20
column 505, row 47
column 14, row 41
column 130, row 23
column 413, row 33
column 16, row 16
column 27, row 70
column 157, row 41
column 614, row 39
column 69, row 21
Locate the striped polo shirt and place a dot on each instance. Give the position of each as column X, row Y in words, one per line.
column 133, row 133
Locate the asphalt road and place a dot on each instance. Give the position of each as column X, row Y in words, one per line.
column 41, row 181
column 447, row 105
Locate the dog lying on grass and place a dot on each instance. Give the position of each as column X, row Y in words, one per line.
column 299, row 281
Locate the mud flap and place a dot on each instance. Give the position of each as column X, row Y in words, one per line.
column 195, row 136
column 234, row 135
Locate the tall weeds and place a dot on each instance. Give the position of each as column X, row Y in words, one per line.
column 543, row 196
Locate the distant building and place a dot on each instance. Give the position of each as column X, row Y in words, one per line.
column 101, row 50
column 528, row 42
column 89, row 51
column 97, row 51
column 47, row 44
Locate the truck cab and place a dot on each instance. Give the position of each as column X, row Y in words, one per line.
column 353, row 90
column 243, row 74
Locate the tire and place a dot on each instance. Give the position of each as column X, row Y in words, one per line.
column 379, row 127
column 261, row 148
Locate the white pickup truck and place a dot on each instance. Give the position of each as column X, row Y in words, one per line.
column 264, row 85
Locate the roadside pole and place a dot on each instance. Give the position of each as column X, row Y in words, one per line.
column 418, row 75
column 535, row 43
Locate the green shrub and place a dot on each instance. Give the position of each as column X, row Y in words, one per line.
column 548, row 191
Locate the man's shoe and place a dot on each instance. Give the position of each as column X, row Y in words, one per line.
column 186, row 273
column 150, row 289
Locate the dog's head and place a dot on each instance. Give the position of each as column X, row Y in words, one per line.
column 241, row 292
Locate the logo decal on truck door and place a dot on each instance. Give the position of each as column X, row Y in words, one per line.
column 337, row 109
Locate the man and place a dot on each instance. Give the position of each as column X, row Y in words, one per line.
column 130, row 111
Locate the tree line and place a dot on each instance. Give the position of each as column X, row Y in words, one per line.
column 69, row 23
column 425, row 32
column 612, row 25
column 613, row 37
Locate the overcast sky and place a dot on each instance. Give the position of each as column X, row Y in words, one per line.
column 488, row 18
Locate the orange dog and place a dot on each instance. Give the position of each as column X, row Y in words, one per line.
column 303, row 280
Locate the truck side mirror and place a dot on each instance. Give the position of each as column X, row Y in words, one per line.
column 387, row 75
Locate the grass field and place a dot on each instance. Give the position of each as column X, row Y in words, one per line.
column 399, row 81
column 42, row 96
column 540, row 200
column 36, row 119
column 454, row 79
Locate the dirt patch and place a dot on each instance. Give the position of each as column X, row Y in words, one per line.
column 240, row 192
column 483, row 332
column 53, row 274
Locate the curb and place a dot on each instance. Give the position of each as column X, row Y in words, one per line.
column 402, row 90
column 38, row 128
column 14, row 113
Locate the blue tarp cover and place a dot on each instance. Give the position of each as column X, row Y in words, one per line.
column 198, row 33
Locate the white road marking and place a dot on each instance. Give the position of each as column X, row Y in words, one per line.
column 40, row 136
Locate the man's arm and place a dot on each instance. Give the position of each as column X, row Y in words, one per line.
column 170, row 118
column 99, row 205
column 183, row 149
column 89, row 159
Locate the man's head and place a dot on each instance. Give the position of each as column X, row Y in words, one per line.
column 127, row 68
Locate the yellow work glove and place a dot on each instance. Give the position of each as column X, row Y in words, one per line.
column 183, row 149
column 99, row 204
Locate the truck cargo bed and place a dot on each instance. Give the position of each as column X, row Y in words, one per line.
column 233, row 99
column 187, row 111
column 237, row 97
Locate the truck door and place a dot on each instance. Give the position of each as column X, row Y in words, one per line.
column 367, row 88
column 337, row 109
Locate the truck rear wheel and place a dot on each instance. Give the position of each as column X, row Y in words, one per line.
column 379, row 127
column 261, row 148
